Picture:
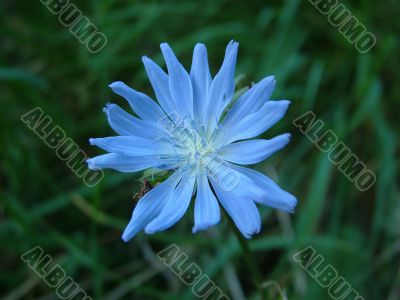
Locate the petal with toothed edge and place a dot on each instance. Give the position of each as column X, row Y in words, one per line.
column 141, row 104
column 201, row 81
column 241, row 182
column 206, row 208
column 127, row 125
column 272, row 195
column 150, row 206
column 160, row 83
column 250, row 101
column 232, row 181
column 134, row 146
column 180, row 85
column 253, row 125
column 122, row 163
column 222, row 87
column 242, row 210
column 253, row 151
column 176, row 205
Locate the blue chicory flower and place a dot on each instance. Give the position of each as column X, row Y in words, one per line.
column 199, row 132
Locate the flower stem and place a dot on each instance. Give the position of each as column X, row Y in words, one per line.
column 249, row 258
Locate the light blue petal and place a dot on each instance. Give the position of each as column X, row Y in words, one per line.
column 273, row 195
column 121, row 163
column 150, row 205
column 141, row 104
column 125, row 124
column 201, row 81
column 254, row 151
column 159, row 80
column 180, row 84
column 254, row 124
column 250, row 101
column 134, row 146
column 230, row 180
column 223, row 86
column 175, row 207
column 242, row 210
column 206, row 208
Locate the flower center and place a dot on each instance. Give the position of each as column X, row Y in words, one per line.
column 192, row 144
column 199, row 151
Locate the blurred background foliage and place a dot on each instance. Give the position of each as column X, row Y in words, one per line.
column 44, row 203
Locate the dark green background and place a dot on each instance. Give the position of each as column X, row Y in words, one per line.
column 356, row 95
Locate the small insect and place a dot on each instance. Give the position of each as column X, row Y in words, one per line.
column 146, row 187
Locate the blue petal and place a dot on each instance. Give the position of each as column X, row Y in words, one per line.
column 176, row 205
column 254, row 124
column 121, row 162
column 201, row 81
column 272, row 195
column 150, row 206
column 254, row 151
column 242, row 210
column 159, row 81
column 141, row 104
column 223, row 86
column 180, row 85
column 125, row 124
column 230, row 180
column 134, row 146
column 206, row 208
column 251, row 101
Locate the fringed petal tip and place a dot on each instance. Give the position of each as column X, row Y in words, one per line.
column 164, row 45
column 116, row 84
column 249, row 236
column 125, row 237
column 284, row 103
column 145, row 59
column 90, row 164
column 288, row 136
column 200, row 47
column 203, row 227
column 269, row 81
column 149, row 230
column 292, row 203
column 251, row 232
column 108, row 107
column 270, row 78
column 288, row 203
column 232, row 43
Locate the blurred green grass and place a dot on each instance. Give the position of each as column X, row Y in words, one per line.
column 357, row 96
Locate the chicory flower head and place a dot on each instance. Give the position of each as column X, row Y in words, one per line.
column 199, row 132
